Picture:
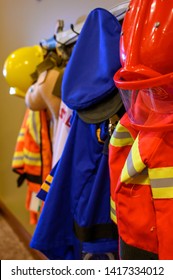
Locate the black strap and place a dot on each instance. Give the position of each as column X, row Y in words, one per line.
column 89, row 234
column 128, row 252
column 21, row 179
column 32, row 178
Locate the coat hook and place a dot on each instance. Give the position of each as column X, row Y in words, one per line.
column 72, row 28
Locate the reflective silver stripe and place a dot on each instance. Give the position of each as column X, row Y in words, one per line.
column 134, row 170
column 18, row 158
column 162, row 183
column 121, row 135
column 32, row 158
column 130, row 167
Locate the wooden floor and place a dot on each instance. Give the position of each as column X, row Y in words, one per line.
column 11, row 247
column 14, row 239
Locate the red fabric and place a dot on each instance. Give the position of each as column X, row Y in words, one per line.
column 143, row 221
column 136, row 216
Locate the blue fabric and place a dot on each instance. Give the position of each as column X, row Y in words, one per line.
column 100, row 247
column 80, row 192
column 88, row 77
column 42, row 194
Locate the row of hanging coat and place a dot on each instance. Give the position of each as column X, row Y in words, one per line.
column 134, row 164
column 75, row 222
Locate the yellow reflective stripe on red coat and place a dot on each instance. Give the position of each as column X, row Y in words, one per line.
column 121, row 137
column 161, row 180
column 134, row 170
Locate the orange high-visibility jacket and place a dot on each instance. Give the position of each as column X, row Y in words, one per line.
column 32, row 158
column 141, row 174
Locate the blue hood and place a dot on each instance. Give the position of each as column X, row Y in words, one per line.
column 88, row 78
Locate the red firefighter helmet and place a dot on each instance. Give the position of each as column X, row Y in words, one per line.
column 145, row 80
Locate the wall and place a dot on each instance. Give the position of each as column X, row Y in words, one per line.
column 25, row 23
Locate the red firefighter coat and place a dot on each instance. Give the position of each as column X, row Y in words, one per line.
column 141, row 173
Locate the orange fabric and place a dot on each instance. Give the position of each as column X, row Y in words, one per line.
column 46, row 148
column 35, row 173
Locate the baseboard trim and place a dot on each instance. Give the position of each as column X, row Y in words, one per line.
column 21, row 232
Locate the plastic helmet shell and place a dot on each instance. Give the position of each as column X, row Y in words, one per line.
column 147, row 36
column 19, row 66
column 146, row 77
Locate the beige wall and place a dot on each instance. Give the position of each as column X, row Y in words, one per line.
column 25, row 23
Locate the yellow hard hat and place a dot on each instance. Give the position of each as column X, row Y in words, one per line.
column 19, row 66
column 17, row 92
